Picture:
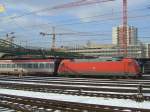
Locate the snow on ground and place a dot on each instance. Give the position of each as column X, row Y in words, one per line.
column 79, row 99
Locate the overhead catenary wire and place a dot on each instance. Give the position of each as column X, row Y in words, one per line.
column 54, row 6
column 71, row 24
column 63, row 6
column 99, row 21
column 99, row 15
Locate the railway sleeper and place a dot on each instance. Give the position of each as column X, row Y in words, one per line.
column 73, row 107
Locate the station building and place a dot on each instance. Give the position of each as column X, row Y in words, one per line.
column 135, row 51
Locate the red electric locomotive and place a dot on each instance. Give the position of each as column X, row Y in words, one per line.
column 123, row 67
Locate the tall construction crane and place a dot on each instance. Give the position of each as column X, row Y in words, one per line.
column 54, row 34
column 123, row 30
column 53, row 37
column 71, row 5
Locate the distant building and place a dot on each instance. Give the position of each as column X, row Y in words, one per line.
column 135, row 48
column 132, row 34
column 147, row 46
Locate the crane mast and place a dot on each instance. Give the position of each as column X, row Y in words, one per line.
column 124, row 28
column 53, row 38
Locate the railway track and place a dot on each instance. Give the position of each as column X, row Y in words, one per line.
column 77, row 80
column 26, row 103
column 5, row 109
column 99, row 88
column 77, row 92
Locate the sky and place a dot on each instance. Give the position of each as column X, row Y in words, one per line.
column 94, row 22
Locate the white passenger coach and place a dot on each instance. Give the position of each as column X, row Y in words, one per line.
column 32, row 66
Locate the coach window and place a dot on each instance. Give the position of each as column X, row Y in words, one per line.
column 13, row 65
column 8, row 65
column 47, row 65
column 20, row 65
column 35, row 65
column 38, row 65
column 4, row 65
column 26, row 65
column 51, row 65
column 29, row 65
column 17, row 65
column 1, row 65
column 23, row 65
column 41, row 65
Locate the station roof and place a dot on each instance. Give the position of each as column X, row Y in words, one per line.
column 8, row 48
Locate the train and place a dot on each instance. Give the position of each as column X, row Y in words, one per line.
column 126, row 67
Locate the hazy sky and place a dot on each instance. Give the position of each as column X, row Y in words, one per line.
column 29, row 17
